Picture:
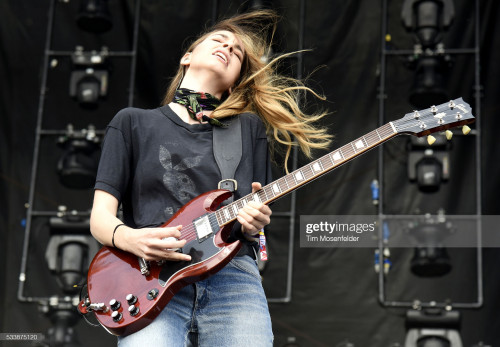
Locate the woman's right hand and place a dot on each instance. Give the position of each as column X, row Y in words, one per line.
column 152, row 244
column 148, row 243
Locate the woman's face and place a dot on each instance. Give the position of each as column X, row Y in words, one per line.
column 220, row 53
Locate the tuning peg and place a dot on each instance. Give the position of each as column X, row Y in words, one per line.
column 448, row 134
column 431, row 139
column 465, row 129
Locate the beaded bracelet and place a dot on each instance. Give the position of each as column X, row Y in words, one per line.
column 114, row 231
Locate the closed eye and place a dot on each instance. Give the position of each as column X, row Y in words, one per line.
column 237, row 49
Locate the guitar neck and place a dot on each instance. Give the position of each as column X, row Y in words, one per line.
column 308, row 173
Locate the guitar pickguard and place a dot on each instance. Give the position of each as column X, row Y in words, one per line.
column 199, row 252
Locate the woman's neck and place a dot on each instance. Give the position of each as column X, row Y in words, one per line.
column 205, row 85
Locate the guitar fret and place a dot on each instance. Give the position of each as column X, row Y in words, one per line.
column 241, row 204
column 337, row 156
column 235, row 209
column 298, row 176
column 308, row 172
column 387, row 130
column 328, row 164
column 219, row 218
column 371, row 138
column 269, row 192
column 256, row 197
column 226, row 213
column 262, row 195
column 363, row 139
column 282, row 185
column 354, row 148
column 343, row 151
column 317, row 166
column 346, row 152
column 285, row 180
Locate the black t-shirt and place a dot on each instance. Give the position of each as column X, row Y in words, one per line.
column 154, row 163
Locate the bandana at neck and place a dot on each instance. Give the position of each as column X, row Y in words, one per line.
column 196, row 103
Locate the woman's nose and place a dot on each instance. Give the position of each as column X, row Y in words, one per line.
column 229, row 46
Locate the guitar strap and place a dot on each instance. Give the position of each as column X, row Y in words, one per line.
column 227, row 148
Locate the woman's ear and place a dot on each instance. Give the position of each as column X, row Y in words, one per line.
column 186, row 59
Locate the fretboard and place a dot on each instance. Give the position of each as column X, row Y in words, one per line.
column 307, row 173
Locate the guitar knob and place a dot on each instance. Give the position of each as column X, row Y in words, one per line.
column 114, row 304
column 449, row 135
column 465, row 129
column 131, row 299
column 117, row 316
column 133, row 310
column 431, row 139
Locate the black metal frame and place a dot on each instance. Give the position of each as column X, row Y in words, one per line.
column 48, row 54
column 477, row 133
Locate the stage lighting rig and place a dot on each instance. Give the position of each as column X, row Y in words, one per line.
column 433, row 328
column 90, row 76
column 428, row 20
column 77, row 167
column 430, row 257
column 70, row 249
column 431, row 68
column 94, row 16
column 428, row 166
column 69, row 252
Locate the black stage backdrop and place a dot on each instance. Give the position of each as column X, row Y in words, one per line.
column 334, row 290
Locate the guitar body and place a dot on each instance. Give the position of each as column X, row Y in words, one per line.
column 114, row 274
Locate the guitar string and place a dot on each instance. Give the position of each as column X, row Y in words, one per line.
column 189, row 232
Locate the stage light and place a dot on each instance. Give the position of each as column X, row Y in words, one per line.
column 89, row 78
column 77, row 167
column 433, row 328
column 428, row 20
column 430, row 257
column 429, row 82
column 94, row 16
column 427, row 166
column 70, row 251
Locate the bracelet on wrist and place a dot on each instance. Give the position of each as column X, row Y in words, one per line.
column 114, row 231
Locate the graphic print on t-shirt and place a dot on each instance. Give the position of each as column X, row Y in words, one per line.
column 180, row 185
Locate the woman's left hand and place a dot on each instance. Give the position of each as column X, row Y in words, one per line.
column 254, row 216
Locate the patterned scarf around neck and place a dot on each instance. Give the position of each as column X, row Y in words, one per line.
column 196, row 103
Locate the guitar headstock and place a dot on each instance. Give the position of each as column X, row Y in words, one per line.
column 435, row 118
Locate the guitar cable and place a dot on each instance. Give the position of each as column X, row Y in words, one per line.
column 84, row 315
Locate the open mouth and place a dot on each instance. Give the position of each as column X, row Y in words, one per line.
column 221, row 56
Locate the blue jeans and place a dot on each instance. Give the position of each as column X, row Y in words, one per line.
column 227, row 309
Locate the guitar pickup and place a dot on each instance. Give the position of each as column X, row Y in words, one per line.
column 203, row 228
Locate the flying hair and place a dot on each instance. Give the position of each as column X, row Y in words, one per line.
column 262, row 90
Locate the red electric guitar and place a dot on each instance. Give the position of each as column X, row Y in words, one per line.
column 126, row 293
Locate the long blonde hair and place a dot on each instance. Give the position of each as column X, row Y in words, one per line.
column 261, row 89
